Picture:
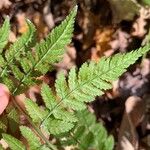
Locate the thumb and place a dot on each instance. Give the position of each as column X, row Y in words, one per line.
column 4, row 97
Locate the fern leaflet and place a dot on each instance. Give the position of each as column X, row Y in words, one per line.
column 32, row 139
column 4, row 33
column 87, row 134
column 14, row 143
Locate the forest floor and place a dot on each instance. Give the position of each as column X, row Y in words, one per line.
column 102, row 28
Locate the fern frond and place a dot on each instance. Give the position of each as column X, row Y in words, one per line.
column 13, row 143
column 72, row 94
column 47, row 52
column 18, row 48
column 34, row 111
column 9, row 121
column 4, row 33
column 51, row 50
column 60, row 121
column 20, row 66
column 13, row 120
column 88, row 134
column 93, row 78
column 33, row 141
column 13, row 54
column 27, row 40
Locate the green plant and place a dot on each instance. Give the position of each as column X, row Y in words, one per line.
column 65, row 108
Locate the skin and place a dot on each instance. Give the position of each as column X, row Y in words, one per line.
column 4, row 97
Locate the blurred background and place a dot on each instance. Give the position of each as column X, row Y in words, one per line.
column 102, row 28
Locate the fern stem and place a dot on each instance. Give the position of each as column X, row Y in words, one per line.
column 51, row 146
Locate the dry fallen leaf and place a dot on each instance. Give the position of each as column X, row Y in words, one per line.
column 12, row 37
column 102, row 38
column 133, row 114
column 121, row 40
column 40, row 25
column 140, row 23
column 48, row 17
column 5, row 4
column 22, row 26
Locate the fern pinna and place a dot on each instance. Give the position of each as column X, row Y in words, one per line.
column 20, row 65
column 25, row 60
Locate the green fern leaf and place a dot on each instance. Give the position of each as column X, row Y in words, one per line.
column 82, row 87
column 4, row 33
column 88, row 134
column 52, row 49
column 34, row 111
column 48, row 96
column 33, row 140
column 50, row 102
column 13, row 143
column 25, row 41
column 56, row 127
column 16, row 50
column 61, row 121
column 43, row 147
column 47, row 52
column 93, row 78
column 109, row 143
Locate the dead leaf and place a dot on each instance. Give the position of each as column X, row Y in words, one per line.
column 4, row 144
column 133, row 114
column 140, row 23
column 40, row 25
column 12, row 37
column 5, row 4
column 102, row 38
column 22, row 26
column 121, row 40
column 48, row 17
column 88, row 22
column 136, row 82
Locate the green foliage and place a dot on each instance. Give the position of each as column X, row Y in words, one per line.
column 4, row 33
column 88, row 134
column 13, row 143
column 79, row 88
column 145, row 2
column 32, row 140
column 20, row 65
column 63, row 116
column 93, row 78
column 9, row 121
column 60, row 121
